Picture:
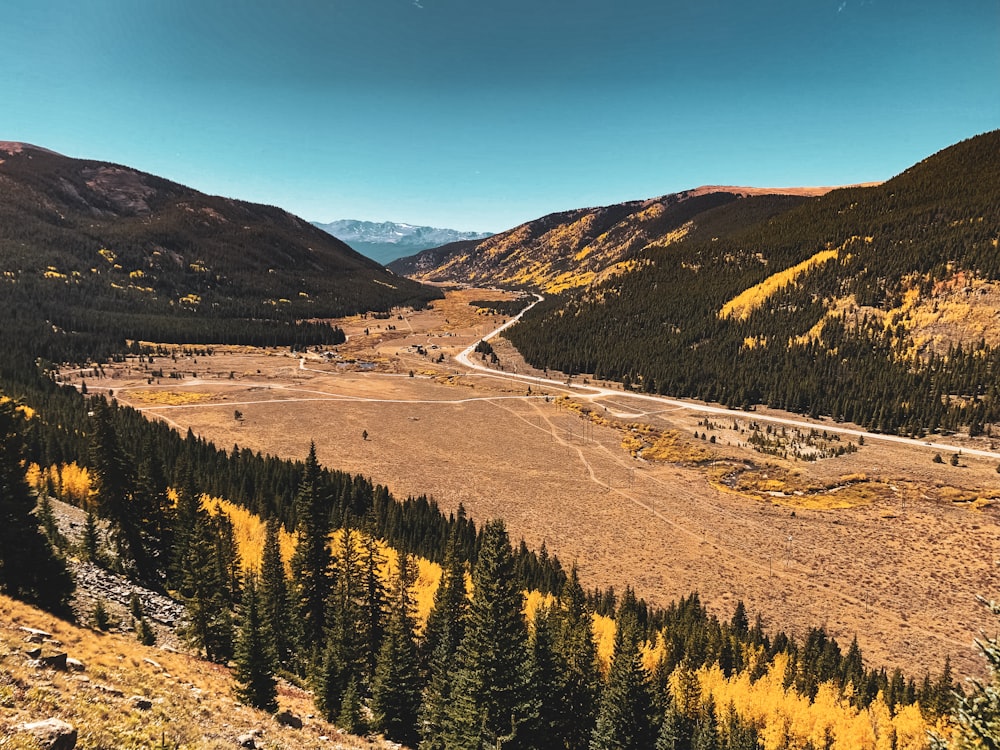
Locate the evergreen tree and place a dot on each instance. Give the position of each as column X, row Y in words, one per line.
column 582, row 674
column 29, row 568
column 255, row 657
column 227, row 555
column 209, row 626
column 977, row 714
column 706, row 731
column 47, row 519
column 186, row 517
column 374, row 610
column 113, row 485
column 342, row 661
column 491, row 694
column 274, row 594
column 349, row 717
column 91, row 542
column 153, row 511
column 443, row 633
column 396, row 686
column 311, row 562
column 548, row 676
column 144, row 632
column 675, row 732
column 625, row 716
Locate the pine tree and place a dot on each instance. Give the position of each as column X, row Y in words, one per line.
column 113, row 486
column 581, row 682
column 706, row 731
column 227, row 555
column 675, row 731
column 342, row 660
column 491, row 694
column 209, row 619
column 274, row 594
column 396, row 686
column 977, row 714
column 548, row 675
column 29, row 568
column 443, row 633
column 311, row 562
column 91, row 542
column 255, row 658
column 374, row 610
column 624, row 719
column 153, row 512
column 349, row 717
column 144, row 632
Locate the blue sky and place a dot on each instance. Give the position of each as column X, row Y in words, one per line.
column 480, row 115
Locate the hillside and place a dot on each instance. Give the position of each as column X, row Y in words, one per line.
column 870, row 304
column 385, row 241
column 110, row 252
column 576, row 248
column 118, row 693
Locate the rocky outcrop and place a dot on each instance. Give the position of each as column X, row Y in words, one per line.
column 51, row 734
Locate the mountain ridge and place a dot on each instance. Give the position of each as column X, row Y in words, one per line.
column 98, row 247
column 896, row 285
column 578, row 247
column 385, row 241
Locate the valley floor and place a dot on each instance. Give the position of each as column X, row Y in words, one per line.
column 881, row 543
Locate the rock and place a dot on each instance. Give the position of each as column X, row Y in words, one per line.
column 75, row 665
column 108, row 690
column 54, row 661
column 33, row 653
column 35, row 635
column 154, row 664
column 249, row 739
column 288, row 719
column 51, row 734
column 140, row 703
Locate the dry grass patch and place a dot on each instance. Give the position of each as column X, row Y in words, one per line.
column 192, row 703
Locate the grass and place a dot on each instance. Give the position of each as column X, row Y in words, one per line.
column 193, row 704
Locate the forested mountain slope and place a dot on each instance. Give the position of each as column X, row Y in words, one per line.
column 876, row 305
column 111, row 252
column 575, row 248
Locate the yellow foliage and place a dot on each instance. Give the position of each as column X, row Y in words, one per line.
column 750, row 299
column 790, row 720
column 108, row 255
column 669, row 446
column 535, row 599
column 249, row 531
column 70, row 482
column 604, row 638
column 168, row 398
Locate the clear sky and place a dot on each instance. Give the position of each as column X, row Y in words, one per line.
column 478, row 114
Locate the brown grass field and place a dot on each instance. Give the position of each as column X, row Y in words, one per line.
column 882, row 543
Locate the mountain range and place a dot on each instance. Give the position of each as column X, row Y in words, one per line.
column 576, row 248
column 875, row 305
column 385, row 241
column 103, row 249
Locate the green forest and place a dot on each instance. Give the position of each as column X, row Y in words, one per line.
column 659, row 329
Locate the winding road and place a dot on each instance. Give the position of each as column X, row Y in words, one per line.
column 592, row 392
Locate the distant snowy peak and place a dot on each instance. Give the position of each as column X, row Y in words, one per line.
column 389, row 232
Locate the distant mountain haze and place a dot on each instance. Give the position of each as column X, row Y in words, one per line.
column 385, row 241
